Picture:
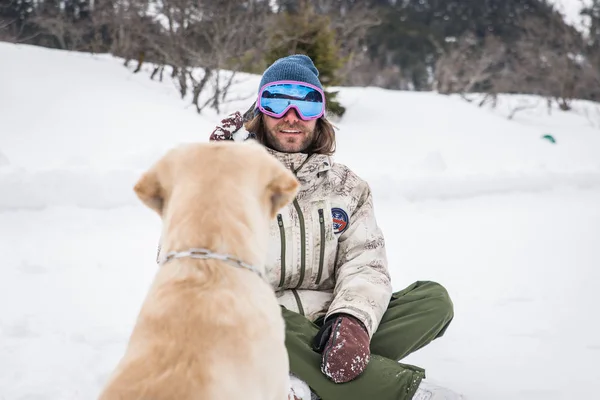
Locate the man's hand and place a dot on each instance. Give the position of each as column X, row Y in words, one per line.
column 344, row 342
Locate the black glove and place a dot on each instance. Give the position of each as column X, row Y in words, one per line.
column 321, row 338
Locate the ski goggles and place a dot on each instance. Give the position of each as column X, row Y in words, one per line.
column 276, row 98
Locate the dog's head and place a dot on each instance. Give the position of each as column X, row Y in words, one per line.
column 219, row 188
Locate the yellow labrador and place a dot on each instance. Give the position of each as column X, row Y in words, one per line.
column 210, row 328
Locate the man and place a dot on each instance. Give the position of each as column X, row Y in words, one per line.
column 345, row 329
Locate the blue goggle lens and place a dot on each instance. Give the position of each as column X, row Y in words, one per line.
column 279, row 97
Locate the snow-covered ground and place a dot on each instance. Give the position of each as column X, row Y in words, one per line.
column 507, row 220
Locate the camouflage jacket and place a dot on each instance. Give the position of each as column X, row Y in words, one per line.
column 327, row 254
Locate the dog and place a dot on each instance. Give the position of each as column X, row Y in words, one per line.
column 210, row 328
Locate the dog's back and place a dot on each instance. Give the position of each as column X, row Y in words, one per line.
column 198, row 335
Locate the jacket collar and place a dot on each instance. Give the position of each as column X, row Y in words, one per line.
column 306, row 167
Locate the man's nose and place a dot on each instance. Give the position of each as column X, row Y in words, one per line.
column 291, row 117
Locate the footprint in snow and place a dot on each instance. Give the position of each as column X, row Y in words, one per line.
column 32, row 268
column 3, row 160
column 19, row 329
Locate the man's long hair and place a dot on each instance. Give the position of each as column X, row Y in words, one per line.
column 324, row 137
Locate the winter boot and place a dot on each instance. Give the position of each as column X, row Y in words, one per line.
column 299, row 390
column 429, row 391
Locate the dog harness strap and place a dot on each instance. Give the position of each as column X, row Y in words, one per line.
column 204, row 254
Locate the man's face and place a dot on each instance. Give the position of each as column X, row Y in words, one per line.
column 289, row 134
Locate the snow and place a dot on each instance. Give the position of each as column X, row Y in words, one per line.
column 506, row 220
column 299, row 388
column 570, row 10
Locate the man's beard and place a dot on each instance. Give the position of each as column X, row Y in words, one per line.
column 290, row 144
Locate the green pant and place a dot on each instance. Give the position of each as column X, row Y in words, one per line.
column 415, row 316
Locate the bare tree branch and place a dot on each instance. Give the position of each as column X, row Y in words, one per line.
column 469, row 62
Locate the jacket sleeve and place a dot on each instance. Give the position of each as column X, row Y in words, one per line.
column 363, row 287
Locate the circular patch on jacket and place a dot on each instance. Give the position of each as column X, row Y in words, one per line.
column 340, row 220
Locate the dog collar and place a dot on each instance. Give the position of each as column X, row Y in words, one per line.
column 205, row 254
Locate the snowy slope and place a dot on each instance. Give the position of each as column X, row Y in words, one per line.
column 508, row 221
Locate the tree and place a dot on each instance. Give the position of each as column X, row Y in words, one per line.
column 14, row 17
column 303, row 31
column 592, row 12
column 470, row 64
column 550, row 60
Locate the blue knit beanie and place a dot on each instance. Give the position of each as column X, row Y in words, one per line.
column 297, row 67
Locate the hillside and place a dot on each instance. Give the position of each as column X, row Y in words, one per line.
column 505, row 219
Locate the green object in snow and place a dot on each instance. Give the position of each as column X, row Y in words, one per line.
column 550, row 138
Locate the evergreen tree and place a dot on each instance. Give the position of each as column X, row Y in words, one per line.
column 16, row 13
column 303, row 31
column 592, row 12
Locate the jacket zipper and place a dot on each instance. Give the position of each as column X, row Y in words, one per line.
column 302, row 243
column 298, row 302
column 322, row 247
column 282, row 236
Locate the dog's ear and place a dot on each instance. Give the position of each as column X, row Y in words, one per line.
column 149, row 189
column 282, row 190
